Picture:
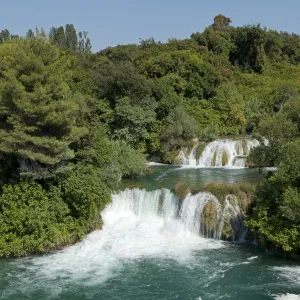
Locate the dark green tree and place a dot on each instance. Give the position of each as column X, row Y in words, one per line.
column 71, row 37
column 37, row 110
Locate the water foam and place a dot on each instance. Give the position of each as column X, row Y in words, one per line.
column 288, row 297
column 137, row 225
column 290, row 273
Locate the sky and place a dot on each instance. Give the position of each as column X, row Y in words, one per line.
column 114, row 22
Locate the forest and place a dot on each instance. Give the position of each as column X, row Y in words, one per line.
column 74, row 123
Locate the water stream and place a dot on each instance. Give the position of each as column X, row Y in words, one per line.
column 155, row 246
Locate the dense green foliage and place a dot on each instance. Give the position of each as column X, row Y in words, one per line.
column 58, row 162
column 32, row 219
column 277, row 208
column 73, row 123
column 37, row 109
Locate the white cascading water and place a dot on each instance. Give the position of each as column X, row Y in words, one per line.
column 144, row 229
column 137, row 224
column 165, row 206
column 220, row 153
column 192, row 211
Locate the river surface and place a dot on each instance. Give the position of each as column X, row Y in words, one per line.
column 166, row 176
column 148, row 256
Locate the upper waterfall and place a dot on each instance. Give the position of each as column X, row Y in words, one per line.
column 219, row 153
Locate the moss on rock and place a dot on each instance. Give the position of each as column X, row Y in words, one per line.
column 209, row 219
column 199, row 150
column 226, row 233
column 244, row 146
column 242, row 190
column 214, row 160
column 181, row 190
column 225, row 158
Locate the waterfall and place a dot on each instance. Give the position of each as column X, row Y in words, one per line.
column 201, row 214
column 192, row 215
column 219, row 153
column 143, row 204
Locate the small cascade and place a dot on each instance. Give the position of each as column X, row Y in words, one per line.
column 192, row 158
column 220, row 153
column 232, row 218
column 201, row 214
column 193, row 214
column 143, row 204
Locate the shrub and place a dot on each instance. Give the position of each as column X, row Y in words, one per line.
column 86, row 195
column 32, row 220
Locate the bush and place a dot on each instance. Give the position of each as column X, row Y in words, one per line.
column 209, row 134
column 86, row 195
column 32, row 220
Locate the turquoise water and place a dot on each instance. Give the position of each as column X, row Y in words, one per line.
column 231, row 272
column 166, row 176
column 145, row 258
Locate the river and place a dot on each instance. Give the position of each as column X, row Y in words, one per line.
column 142, row 254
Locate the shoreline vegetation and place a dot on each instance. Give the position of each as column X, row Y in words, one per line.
column 74, row 123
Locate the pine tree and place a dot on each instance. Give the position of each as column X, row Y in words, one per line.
column 37, row 110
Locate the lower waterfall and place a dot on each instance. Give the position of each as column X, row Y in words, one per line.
column 200, row 214
column 152, row 246
column 219, row 153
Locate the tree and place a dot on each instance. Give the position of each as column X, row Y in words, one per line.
column 276, row 216
column 230, row 103
column 248, row 50
column 4, row 36
column 84, row 43
column 30, row 34
column 180, row 128
column 37, row 110
column 221, row 23
column 118, row 80
column 71, row 37
column 57, row 35
column 134, row 120
column 216, row 41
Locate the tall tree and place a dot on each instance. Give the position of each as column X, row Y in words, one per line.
column 37, row 110
column 4, row 36
column 57, row 35
column 221, row 23
column 71, row 37
column 84, row 43
column 248, row 50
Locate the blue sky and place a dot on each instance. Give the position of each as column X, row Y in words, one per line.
column 113, row 22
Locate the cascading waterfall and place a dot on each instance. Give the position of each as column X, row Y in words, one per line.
column 220, row 153
column 201, row 214
column 193, row 214
column 156, row 204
